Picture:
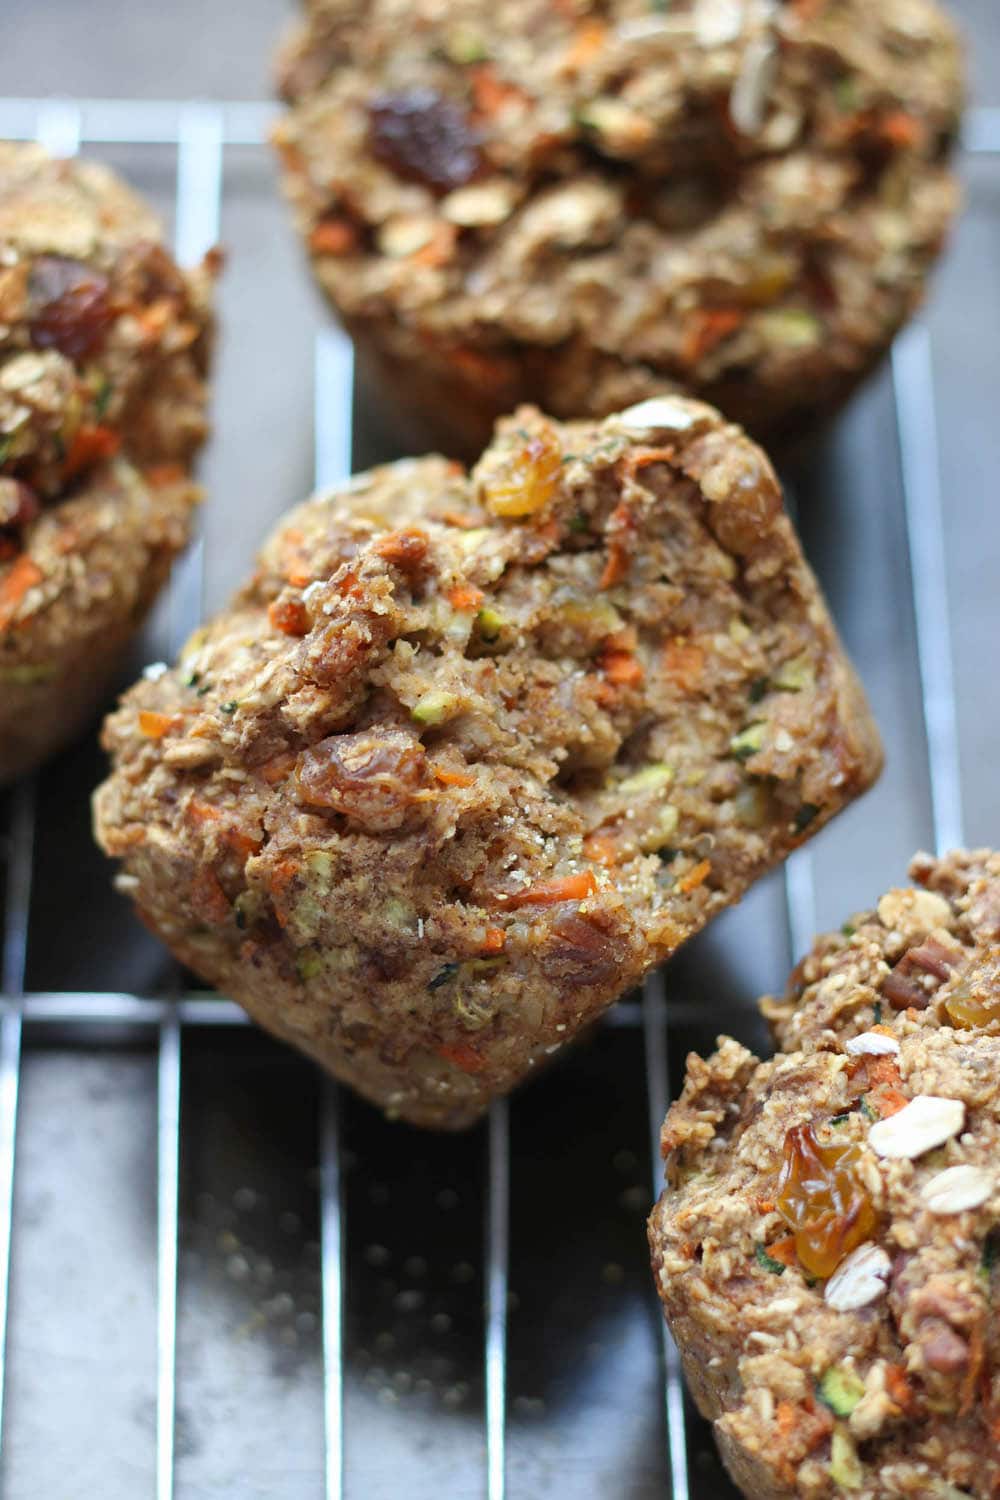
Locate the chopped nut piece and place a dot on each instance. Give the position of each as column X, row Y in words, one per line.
column 872, row 1044
column 919, row 1126
column 860, row 1279
column 958, row 1188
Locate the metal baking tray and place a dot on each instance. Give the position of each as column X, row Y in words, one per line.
column 220, row 1276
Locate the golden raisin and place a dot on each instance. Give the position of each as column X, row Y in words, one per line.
column 527, row 480
column 975, row 999
column 822, row 1199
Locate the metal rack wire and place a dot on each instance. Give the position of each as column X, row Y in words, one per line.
column 201, row 134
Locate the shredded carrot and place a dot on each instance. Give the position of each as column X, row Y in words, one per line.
column 641, row 458
column 465, row 597
column 589, row 42
column 404, row 549
column 494, row 372
column 439, row 249
column 622, row 668
column 548, row 892
column 786, row 1416
column 160, row 475
column 453, row 778
column 901, row 129
column 694, row 878
column 282, row 876
column 882, row 1070
column 289, row 616
column 889, row 1102
column 605, row 696
column 155, row 725
column 278, row 769
column 898, row 1385
column 22, row 577
column 708, row 327
column 239, row 842
column 334, row 236
column 203, row 812
column 456, row 518
column 616, row 567
column 783, row 1251
column 89, row 447
column 495, row 940
column 601, row 848
column 208, row 898
column 462, row 1056
column 683, row 663
column 490, row 92
column 883, row 1030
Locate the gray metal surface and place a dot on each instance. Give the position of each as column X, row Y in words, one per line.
column 227, row 1278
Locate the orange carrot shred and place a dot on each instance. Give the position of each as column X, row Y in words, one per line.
column 589, row 42
column 289, row 616
column 622, row 668
column 22, row 577
column 683, row 663
column 900, row 129
column 707, row 328
column 90, row 446
column 453, row 778
column 495, row 940
column 616, row 567
column 783, row 1251
column 465, row 597
column 601, row 848
column 439, row 249
column 155, row 725
column 462, row 1056
column 208, row 898
column 548, row 892
column 278, row 769
column 694, row 878
column 334, row 236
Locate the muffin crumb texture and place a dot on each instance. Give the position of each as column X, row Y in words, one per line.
column 470, row 753
column 828, row 1247
column 104, row 346
column 585, row 205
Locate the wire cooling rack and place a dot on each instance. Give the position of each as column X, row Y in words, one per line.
column 678, row 1460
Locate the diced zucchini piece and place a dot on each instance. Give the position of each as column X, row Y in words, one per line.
column 795, row 676
column 651, row 778
column 841, row 1388
column 435, row 707
column 845, row 1466
column 662, row 830
column 748, row 741
column 789, row 327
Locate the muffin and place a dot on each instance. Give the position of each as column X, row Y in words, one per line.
column 103, row 350
column 585, row 205
column 470, row 753
column 827, row 1250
